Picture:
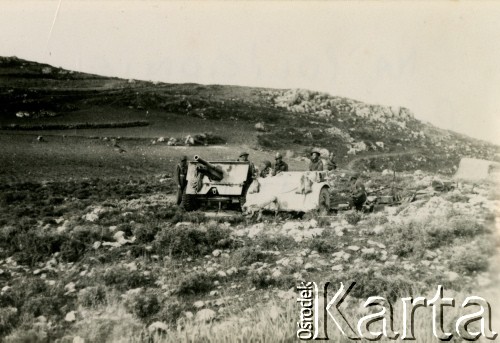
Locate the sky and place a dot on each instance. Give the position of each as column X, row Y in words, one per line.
column 440, row 59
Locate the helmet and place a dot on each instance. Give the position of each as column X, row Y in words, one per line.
column 278, row 156
column 243, row 153
column 267, row 163
column 315, row 151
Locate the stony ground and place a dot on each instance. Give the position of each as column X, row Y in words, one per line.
column 108, row 260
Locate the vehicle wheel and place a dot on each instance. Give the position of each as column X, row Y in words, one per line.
column 189, row 202
column 324, row 201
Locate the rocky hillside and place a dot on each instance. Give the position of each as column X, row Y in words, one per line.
column 374, row 137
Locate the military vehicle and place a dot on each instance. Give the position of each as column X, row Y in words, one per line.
column 230, row 182
column 219, row 181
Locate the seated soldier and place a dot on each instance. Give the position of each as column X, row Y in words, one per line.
column 279, row 165
column 330, row 163
column 266, row 169
column 358, row 193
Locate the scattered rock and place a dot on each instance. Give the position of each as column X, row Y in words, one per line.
column 216, row 253
column 70, row 316
column 260, row 127
column 276, row 273
column 205, row 315
column 309, row 266
column 158, row 327
column 199, row 304
column 452, row 276
column 221, row 274
column 132, row 266
column 313, row 223
column 70, row 288
column 368, row 251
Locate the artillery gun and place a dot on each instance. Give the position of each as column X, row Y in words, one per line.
column 219, row 181
column 229, row 181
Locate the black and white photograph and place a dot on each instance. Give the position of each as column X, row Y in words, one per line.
column 249, row 171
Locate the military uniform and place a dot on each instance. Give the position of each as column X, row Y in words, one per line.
column 252, row 172
column 280, row 166
column 316, row 165
column 265, row 172
column 331, row 165
column 358, row 194
column 180, row 178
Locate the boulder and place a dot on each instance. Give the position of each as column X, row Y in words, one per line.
column 70, row 316
column 260, row 127
column 189, row 140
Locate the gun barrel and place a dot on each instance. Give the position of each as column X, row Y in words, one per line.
column 213, row 171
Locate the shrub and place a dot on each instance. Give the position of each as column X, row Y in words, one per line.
column 77, row 242
column 92, row 296
column 405, row 239
column 145, row 233
column 264, row 279
column 276, row 242
column 370, row 284
column 352, row 217
column 182, row 241
column 463, row 226
column 123, row 279
column 247, row 256
column 143, row 304
column 8, row 319
column 195, row 284
column 469, row 259
column 170, row 311
column 322, row 245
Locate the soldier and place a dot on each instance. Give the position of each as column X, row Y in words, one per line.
column 180, row 178
column 279, row 165
column 358, row 192
column 331, row 164
column 316, row 163
column 266, row 170
column 251, row 170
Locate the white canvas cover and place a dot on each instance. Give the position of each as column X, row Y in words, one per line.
column 473, row 169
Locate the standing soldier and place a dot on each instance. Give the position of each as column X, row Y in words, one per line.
column 316, row 163
column 279, row 165
column 358, row 192
column 251, row 171
column 180, row 178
